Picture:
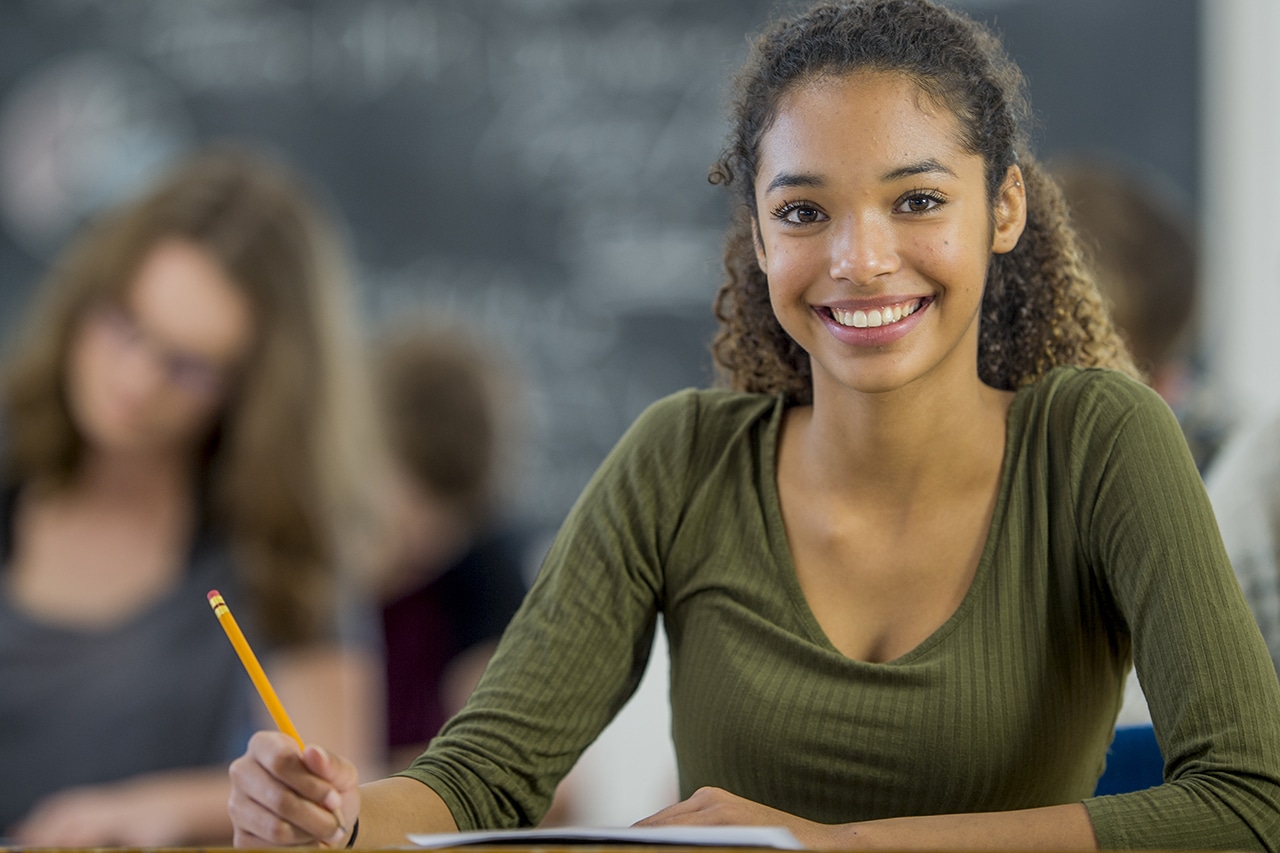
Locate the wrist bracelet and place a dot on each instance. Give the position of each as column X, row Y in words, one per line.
column 355, row 830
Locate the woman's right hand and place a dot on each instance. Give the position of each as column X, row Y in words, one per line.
column 283, row 797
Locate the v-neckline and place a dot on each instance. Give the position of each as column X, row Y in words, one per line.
column 785, row 563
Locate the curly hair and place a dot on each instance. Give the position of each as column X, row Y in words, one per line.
column 1041, row 307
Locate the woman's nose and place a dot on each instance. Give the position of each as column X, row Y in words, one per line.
column 140, row 371
column 863, row 248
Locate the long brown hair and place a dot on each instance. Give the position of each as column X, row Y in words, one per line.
column 1041, row 307
column 279, row 471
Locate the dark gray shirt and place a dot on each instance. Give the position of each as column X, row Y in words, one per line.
column 163, row 691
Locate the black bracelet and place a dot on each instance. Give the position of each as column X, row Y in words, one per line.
column 355, row 830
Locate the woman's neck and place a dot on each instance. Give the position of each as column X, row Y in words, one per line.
column 920, row 439
column 107, row 546
column 139, row 479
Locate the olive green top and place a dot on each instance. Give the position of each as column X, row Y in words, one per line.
column 1102, row 547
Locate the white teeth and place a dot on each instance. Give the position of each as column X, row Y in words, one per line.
column 875, row 317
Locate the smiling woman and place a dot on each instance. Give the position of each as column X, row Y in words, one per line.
column 867, row 200
column 181, row 415
column 905, row 562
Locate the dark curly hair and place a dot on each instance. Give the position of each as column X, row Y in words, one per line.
column 1041, row 307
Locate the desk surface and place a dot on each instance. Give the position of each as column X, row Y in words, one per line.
column 469, row 848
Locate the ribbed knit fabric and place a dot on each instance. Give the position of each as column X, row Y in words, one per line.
column 1102, row 543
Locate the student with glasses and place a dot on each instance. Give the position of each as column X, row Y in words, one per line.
column 180, row 414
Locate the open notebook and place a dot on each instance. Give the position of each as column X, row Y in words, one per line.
column 702, row 836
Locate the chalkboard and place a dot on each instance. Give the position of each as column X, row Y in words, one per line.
column 535, row 168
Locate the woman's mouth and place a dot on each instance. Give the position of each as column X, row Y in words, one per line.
column 870, row 318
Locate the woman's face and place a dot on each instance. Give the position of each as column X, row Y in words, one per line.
column 149, row 374
column 875, row 231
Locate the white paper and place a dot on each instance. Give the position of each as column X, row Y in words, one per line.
column 713, row 836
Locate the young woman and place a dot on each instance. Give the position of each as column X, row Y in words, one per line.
column 905, row 565
column 179, row 416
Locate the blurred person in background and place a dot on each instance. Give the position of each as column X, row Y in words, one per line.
column 1244, row 486
column 1142, row 244
column 181, row 413
column 455, row 574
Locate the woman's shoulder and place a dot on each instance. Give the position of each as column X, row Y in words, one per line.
column 1080, row 419
column 1089, row 382
column 677, row 438
column 706, row 412
column 1090, row 396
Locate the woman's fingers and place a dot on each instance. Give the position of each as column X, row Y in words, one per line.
column 261, row 805
column 278, row 799
column 341, row 774
column 343, row 799
column 693, row 810
column 718, row 807
column 248, row 839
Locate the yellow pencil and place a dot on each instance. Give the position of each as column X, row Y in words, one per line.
column 251, row 665
column 259, row 678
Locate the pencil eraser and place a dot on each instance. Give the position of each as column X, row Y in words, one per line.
column 213, row 593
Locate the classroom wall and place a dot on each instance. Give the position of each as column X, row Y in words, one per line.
column 1241, row 264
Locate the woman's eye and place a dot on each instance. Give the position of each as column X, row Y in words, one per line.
column 798, row 214
column 920, row 203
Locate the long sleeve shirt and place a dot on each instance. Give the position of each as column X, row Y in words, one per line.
column 1102, row 550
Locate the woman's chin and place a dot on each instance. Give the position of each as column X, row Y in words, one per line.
column 116, row 438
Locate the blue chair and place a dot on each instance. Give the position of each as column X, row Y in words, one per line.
column 1134, row 762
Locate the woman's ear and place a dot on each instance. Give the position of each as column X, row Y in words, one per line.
column 1010, row 212
column 759, row 246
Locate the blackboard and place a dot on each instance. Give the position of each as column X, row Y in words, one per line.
column 536, row 168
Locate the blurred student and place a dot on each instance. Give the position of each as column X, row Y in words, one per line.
column 456, row 575
column 1244, row 486
column 1142, row 244
column 180, row 415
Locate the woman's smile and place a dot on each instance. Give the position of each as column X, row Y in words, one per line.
column 882, row 316
column 875, row 322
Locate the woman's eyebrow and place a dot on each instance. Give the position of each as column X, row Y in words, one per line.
column 792, row 179
column 805, row 179
column 923, row 167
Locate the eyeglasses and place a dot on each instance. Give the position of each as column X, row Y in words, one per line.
column 195, row 375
